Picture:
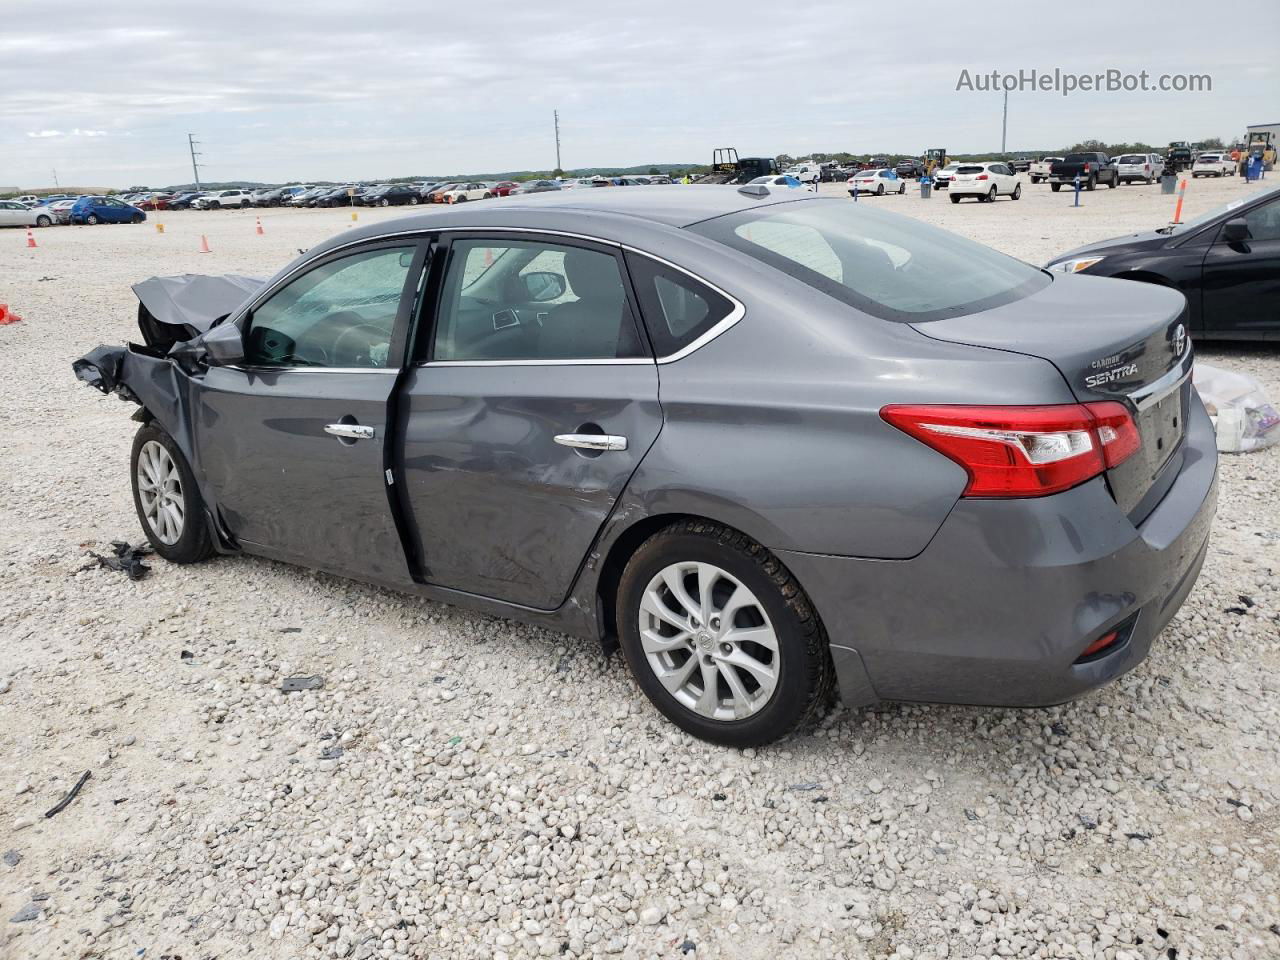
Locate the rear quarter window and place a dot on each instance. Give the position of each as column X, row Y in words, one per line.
column 678, row 309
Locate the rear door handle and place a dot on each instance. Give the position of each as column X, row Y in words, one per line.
column 591, row 441
column 350, row 431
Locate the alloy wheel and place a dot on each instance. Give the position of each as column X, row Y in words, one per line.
column 709, row 641
column 160, row 492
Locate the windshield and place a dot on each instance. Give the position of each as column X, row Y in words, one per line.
column 1208, row 158
column 892, row 267
column 1197, row 222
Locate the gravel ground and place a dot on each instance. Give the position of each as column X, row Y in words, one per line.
column 468, row 787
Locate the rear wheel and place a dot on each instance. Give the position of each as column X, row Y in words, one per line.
column 413, row 201
column 43, row 221
column 169, row 505
column 880, row 190
column 385, row 202
column 1055, row 187
column 1091, row 184
column 721, row 638
column 1115, row 182
column 991, row 195
column 92, row 219
column 954, row 198
column 902, row 189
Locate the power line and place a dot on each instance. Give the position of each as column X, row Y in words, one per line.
column 192, row 142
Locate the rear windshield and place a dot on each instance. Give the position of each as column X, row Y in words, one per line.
column 1132, row 158
column 1078, row 158
column 892, row 267
column 970, row 169
column 1210, row 157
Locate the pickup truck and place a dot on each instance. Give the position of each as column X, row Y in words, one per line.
column 1092, row 168
column 1040, row 168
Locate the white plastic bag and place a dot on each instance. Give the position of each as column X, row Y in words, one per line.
column 1243, row 417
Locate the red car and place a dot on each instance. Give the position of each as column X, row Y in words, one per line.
column 157, row 201
column 503, row 188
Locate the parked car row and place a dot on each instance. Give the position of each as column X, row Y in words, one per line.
column 89, row 210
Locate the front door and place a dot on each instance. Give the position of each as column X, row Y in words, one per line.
column 1242, row 280
column 293, row 443
column 534, row 401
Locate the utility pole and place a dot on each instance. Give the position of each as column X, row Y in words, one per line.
column 1004, row 123
column 557, row 116
column 55, row 179
column 195, row 167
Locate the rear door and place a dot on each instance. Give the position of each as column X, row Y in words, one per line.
column 533, row 400
column 1241, row 281
column 293, row 442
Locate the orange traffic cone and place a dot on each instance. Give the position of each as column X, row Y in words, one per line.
column 31, row 238
column 259, row 231
column 6, row 317
column 204, row 244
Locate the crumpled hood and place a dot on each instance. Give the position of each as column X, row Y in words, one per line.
column 195, row 301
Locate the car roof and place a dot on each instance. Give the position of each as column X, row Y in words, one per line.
column 608, row 214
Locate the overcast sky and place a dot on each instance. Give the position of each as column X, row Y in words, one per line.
column 106, row 92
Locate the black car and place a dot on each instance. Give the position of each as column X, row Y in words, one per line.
column 394, row 195
column 183, row 201
column 1226, row 262
column 339, row 196
column 536, row 186
column 909, row 169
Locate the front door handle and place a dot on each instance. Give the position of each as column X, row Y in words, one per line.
column 350, row 431
column 591, row 441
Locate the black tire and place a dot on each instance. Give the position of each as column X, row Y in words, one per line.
column 413, row 201
column 954, row 198
column 1092, row 184
column 806, row 676
column 1017, row 192
column 1055, row 187
column 1115, row 182
column 137, row 218
column 43, row 221
column 385, row 202
column 195, row 543
column 880, row 190
column 991, row 194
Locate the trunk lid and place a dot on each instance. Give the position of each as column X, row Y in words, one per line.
column 1111, row 340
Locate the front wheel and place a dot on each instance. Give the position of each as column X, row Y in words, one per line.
column 1115, row 182
column 92, row 219
column 721, row 638
column 413, row 201
column 43, row 221
column 902, row 189
column 168, row 502
column 385, row 202
column 1017, row 192
column 137, row 218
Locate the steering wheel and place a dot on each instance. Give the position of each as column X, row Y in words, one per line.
column 381, row 337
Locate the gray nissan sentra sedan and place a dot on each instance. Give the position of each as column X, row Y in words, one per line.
column 774, row 445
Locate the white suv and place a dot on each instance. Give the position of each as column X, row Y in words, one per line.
column 222, row 199
column 1213, row 165
column 1146, row 167
column 984, row 181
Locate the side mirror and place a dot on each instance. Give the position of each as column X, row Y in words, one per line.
column 1236, row 231
column 224, row 345
column 541, row 287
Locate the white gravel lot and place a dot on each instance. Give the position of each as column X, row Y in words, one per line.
column 468, row 787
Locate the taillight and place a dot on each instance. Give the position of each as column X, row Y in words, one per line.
column 1023, row 451
column 981, row 176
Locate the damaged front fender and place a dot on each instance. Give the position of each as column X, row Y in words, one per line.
column 140, row 375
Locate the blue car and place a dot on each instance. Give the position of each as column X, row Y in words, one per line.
column 94, row 210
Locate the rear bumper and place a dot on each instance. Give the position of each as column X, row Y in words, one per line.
column 1000, row 605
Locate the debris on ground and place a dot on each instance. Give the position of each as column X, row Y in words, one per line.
column 11, row 858
column 1237, row 403
column 293, row 684
column 71, row 795
column 125, row 558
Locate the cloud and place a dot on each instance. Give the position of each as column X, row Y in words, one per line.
column 396, row 89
